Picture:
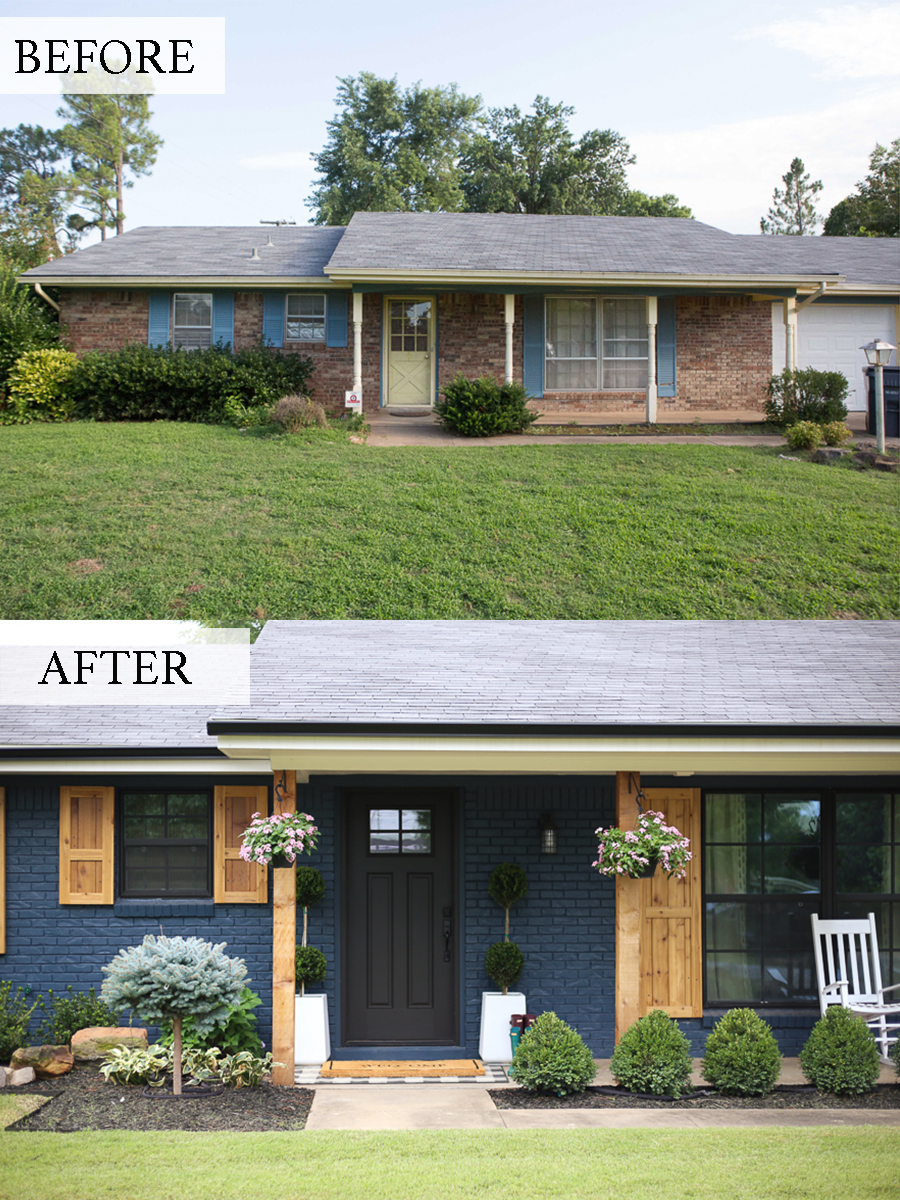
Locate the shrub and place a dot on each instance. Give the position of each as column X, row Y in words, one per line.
column 805, row 435
column 15, row 1014
column 653, row 1056
column 37, row 387
column 26, row 323
column 68, row 1014
column 840, row 1056
column 742, row 1056
column 503, row 964
column 294, row 413
column 235, row 1034
column 551, row 1057
column 806, row 395
column 149, row 383
column 483, row 407
column 835, row 433
column 507, row 885
column 894, row 1056
column 243, row 416
column 312, row 966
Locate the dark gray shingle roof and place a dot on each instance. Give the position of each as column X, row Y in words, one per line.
column 202, row 250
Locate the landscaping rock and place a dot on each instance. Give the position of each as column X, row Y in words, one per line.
column 830, row 454
column 22, row 1076
column 872, row 458
column 91, row 1045
column 3, row 1075
column 47, row 1061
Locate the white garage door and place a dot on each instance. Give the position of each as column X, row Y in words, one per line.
column 829, row 338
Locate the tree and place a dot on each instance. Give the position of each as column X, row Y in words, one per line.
column 391, row 150
column 168, row 979
column 793, row 210
column 874, row 211
column 36, row 188
column 532, row 164
column 107, row 135
column 638, row 204
column 26, row 323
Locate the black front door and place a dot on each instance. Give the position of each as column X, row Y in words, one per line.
column 399, row 939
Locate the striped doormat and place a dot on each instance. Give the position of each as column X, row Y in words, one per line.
column 405, row 1068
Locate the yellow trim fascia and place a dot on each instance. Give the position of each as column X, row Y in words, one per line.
column 397, row 277
column 135, row 766
column 245, row 283
column 569, row 756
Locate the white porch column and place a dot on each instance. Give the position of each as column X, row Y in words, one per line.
column 510, row 323
column 790, row 333
column 651, row 360
column 357, row 341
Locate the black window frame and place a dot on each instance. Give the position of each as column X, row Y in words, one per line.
column 828, row 903
column 123, row 843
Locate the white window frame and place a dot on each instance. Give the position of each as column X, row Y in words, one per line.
column 175, row 328
column 600, row 358
column 313, row 341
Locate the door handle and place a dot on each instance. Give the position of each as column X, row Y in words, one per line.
column 447, row 935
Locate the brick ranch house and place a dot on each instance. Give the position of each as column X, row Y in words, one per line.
column 593, row 314
column 428, row 752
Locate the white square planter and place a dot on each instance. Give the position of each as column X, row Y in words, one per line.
column 312, row 1040
column 496, row 1009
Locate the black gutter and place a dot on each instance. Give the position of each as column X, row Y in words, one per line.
column 7, row 754
column 487, row 729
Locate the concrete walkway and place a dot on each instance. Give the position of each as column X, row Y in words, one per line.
column 467, row 1106
column 390, row 430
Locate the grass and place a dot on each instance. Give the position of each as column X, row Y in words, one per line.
column 14, row 1107
column 205, row 523
column 640, row 1164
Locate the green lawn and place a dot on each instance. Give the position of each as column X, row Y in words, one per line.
column 202, row 522
column 637, row 1164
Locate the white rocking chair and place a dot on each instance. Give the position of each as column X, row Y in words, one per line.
column 849, row 973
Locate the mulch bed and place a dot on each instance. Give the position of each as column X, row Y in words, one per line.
column 786, row 1097
column 84, row 1100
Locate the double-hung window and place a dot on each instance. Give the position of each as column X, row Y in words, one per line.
column 192, row 320
column 166, row 838
column 304, row 318
column 595, row 345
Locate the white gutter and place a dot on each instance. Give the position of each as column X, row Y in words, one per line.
column 43, row 295
column 801, row 304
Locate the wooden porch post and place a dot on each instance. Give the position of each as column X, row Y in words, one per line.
column 357, row 342
column 628, row 914
column 510, row 314
column 651, row 360
column 284, row 941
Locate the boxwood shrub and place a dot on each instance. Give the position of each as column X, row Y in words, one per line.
column 149, row 383
column 484, row 407
column 742, row 1056
column 653, row 1056
column 552, row 1057
column 806, row 395
column 840, row 1056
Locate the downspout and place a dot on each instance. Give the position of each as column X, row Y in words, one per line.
column 791, row 308
column 43, row 295
column 820, row 291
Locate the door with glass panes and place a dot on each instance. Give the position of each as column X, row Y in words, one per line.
column 400, row 945
column 410, row 374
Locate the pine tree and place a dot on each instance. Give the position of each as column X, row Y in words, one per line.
column 793, row 210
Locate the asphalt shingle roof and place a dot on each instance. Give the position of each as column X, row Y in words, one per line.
column 760, row 673
column 202, row 250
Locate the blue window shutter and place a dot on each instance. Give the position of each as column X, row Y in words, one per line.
column 273, row 318
column 158, row 324
column 336, row 318
column 223, row 318
column 665, row 346
column 533, row 367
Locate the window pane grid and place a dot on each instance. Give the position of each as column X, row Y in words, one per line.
column 165, row 844
column 305, row 318
column 192, row 320
column 578, row 356
column 400, row 831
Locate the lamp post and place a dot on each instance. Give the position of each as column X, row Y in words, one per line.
column 878, row 355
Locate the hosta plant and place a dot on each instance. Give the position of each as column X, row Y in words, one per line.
column 133, row 1064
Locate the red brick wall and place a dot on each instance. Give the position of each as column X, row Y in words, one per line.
column 723, row 352
column 472, row 337
column 102, row 320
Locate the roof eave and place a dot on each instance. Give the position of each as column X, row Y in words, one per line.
column 255, row 282
column 579, row 278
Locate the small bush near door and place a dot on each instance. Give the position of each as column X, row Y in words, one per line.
column 552, row 1057
column 742, row 1057
column 840, row 1056
column 653, row 1056
column 806, row 395
column 484, row 407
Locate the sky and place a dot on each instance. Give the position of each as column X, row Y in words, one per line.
column 715, row 98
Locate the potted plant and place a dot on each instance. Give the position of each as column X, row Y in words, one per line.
column 503, row 963
column 636, row 853
column 278, row 840
column 312, row 1040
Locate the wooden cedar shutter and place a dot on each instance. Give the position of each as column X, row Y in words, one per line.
column 86, row 844
column 671, row 977
column 236, row 881
column 2, row 871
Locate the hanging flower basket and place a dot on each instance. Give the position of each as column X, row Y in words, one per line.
column 636, row 853
column 279, row 840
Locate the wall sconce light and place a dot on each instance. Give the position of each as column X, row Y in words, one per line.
column 548, row 833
